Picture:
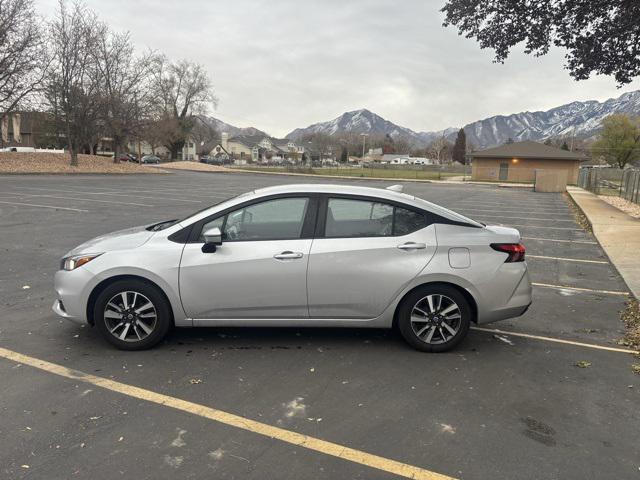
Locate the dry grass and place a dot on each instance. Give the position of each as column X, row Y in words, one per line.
column 195, row 166
column 44, row 162
column 626, row 206
column 580, row 218
column 631, row 318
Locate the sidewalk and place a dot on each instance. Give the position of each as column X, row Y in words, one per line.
column 617, row 232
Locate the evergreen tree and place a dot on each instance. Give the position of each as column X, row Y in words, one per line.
column 565, row 146
column 344, row 155
column 460, row 147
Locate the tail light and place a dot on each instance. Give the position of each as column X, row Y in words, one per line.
column 514, row 250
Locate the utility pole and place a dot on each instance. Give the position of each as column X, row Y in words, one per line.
column 364, row 141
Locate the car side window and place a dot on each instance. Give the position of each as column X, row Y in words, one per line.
column 278, row 219
column 408, row 221
column 358, row 218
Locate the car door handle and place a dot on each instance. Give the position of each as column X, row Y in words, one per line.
column 288, row 255
column 412, row 246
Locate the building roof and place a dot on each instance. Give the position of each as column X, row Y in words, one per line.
column 249, row 141
column 527, row 149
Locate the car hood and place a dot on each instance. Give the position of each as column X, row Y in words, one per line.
column 120, row 240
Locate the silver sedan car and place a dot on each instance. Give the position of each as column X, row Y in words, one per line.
column 304, row 256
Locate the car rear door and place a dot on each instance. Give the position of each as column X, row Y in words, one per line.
column 260, row 269
column 366, row 250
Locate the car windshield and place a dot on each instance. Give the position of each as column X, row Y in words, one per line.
column 214, row 205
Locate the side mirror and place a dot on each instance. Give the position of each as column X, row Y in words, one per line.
column 213, row 235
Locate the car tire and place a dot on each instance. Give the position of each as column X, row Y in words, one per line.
column 132, row 315
column 434, row 318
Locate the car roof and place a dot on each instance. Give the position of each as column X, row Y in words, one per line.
column 334, row 188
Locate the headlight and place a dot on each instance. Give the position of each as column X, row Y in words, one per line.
column 75, row 261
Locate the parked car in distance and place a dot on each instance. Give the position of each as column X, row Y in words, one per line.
column 127, row 157
column 211, row 160
column 304, row 256
column 150, row 159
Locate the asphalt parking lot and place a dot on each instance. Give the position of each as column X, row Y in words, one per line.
column 504, row 405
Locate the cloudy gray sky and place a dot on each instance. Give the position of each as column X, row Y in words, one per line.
column 281, row 64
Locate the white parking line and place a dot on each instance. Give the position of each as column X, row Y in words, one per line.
column 579, row 289
column 523, row 218
column 512, row 203
column 580, row 260
column 584, row 242
column 116, row 194
column 493, row 211
column 545, row 227
column 45, row 206
column 555, row 340
column 75, row 198
column 512, row 211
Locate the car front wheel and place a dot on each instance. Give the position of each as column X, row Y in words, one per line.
column 132, row 315
column 434, row 318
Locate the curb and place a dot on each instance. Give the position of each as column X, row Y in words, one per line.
column 626, row 263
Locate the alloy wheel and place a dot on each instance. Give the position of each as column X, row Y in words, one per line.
column 436, row 319
column 130, row 316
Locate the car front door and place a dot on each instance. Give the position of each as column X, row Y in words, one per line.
column 260, row 269
column 365, row 252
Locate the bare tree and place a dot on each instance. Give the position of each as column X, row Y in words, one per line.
column 183, row 90
column 73, row 81
column 124, row 86
column 440, row 150
column 204, row 134
column 21, row 53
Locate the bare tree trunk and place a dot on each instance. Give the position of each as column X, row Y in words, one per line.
column 70, row 145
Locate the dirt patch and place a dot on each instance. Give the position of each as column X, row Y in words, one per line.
column 194, row 166
column 44, row 162
column 631, row 318
column 626, row 206
column 580, row 217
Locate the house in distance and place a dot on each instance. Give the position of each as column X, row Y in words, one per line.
column 518, row 162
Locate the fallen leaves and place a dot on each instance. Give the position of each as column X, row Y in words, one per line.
column 583, row 364
column 195, row 381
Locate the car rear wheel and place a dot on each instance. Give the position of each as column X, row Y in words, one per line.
column 132, row 315
column 434, row 318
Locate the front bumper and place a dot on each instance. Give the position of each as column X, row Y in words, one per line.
column 72, row 293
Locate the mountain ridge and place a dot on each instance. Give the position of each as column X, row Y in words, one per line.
column 579, row 118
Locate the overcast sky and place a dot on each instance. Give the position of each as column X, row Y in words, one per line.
column 281, row 64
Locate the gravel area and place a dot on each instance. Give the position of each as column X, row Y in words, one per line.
column 21, row 162
column 626, row 206
column 195, row 166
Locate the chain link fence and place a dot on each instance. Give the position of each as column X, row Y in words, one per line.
column 611, row 181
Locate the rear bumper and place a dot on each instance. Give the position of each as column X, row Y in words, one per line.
column 517, row 304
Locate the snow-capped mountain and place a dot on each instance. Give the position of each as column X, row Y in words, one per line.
column 232, row 130
column 582, row 119
column 364, row 121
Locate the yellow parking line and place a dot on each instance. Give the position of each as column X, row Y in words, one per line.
column 579, row 289
column 555, row 340
column 544, row 257
column 287, row 436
